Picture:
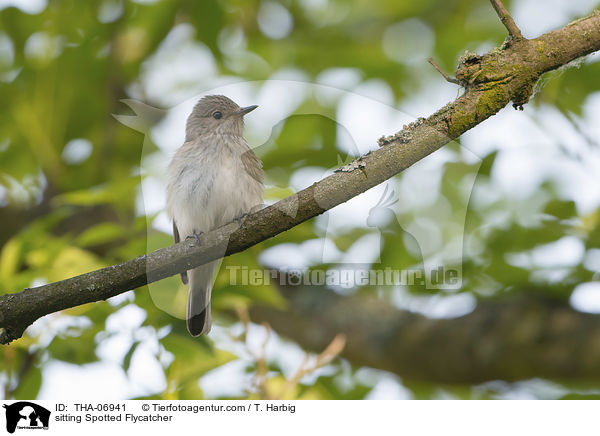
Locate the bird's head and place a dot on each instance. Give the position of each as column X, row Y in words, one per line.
column 216, row 114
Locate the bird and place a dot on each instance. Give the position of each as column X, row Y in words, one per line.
column 214, row 178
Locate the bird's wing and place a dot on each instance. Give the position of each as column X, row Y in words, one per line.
column 184, row 277
column 253, row 166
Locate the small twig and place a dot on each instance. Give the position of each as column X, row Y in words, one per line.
column 331, row 352
column 506, row 19
column 443, row 73
column 259, row 380
column 262, row 367
column 244, row 317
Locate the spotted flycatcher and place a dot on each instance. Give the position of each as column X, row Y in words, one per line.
column 214, row 178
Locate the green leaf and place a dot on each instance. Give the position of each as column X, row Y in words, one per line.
column 561, row 209
column 9, row 258
column 30, row 385
column 193, row 358
column 99, row 234
column 129, row 356
column 76, row 347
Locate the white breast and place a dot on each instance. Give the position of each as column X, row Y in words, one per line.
column 209, row 185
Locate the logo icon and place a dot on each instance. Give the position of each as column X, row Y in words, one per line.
column 26, row 415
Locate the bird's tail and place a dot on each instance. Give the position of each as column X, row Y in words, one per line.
column 198, row 306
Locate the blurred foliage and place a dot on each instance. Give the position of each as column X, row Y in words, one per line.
column 70, row 173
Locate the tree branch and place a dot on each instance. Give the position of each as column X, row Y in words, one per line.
column 443, row 73
column 513, row 339
column 506, row 19
column 491, row 81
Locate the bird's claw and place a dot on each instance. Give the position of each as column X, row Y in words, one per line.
column 240, row 219
column 195, row 236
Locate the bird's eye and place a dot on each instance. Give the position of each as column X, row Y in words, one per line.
column 217, row 115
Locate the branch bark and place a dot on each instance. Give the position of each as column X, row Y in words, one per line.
column 491, row 81
column 506, row 19
column 514, row 339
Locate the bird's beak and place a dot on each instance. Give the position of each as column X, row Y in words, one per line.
column 243, row 111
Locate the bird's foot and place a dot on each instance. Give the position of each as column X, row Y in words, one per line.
column 240, row 219
column 195, row 236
